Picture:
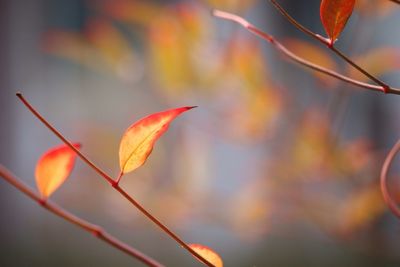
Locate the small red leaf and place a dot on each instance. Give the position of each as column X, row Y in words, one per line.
column 207, row 253
column 334, row 16
column 138, row 140
column 53, row 168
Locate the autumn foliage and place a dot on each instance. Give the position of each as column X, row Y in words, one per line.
column 54, row 168
column 306, row 170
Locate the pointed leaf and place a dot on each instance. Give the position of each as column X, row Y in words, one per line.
column 53, row 168
column 138, row 140
column 208, row 254
column 334, row 16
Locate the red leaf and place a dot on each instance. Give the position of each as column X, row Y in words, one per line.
column 334, row 16
column 138, row 140
column 53, row 168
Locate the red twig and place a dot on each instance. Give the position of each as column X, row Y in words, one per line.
column 395, row 1
column 386, row 88
column 96, row 230
column 385, row 169
column 281, row 48
column 114, row 183
column 59, row 135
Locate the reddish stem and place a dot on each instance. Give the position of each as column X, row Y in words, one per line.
column 329, row 43
column 59, row 135
column 94, row 229
column 114, row 183
column 119, row 178
column 385, row 169
column 280, row 47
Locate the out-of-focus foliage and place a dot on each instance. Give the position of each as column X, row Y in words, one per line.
column 380, row 61
column 317, row 55
column 374, row 7
column 302, row 169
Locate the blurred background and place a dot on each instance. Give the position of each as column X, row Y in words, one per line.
column 278, row 166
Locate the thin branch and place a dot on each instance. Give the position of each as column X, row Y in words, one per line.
column 385, row 169
column 59, row 135
column 114, row 183
column 96, row 230
column 281, row 48
column 395, row 1
column 298, row 25
column 386, row 88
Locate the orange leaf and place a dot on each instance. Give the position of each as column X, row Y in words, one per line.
column 53, row 168
column 374, row 8
column 108, row 41
column 138, row 140
column 361, row 208
column 208, row 254
column 334, row 16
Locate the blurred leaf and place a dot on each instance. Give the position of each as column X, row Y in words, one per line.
column 231, row 5
column 207, row 253
column 191, row 19
column 334, row 16
column 109, row 42
column 170, row 54
column 316, row 55
column 53, row 168
column 71, row 46
column 252, row 114
column 361, row 208
column 374, row 7
column 248, row 62
column 128, row 11
column 313, row 154
column 378, row 62
column 138, row 140
column 357, row 156
column 102, row 48
column 175, row 52
column 253, row 209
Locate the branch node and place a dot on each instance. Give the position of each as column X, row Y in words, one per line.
column 97, row 232
column 42, row 202
column 386, row 89
column 114, row 183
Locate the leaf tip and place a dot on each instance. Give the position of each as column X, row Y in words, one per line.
column 138, row 140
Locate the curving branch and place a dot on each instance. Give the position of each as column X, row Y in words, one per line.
column 386, row 88
column 290, row 55
column 96, row 230
column 114, row 183
column 385, row 169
